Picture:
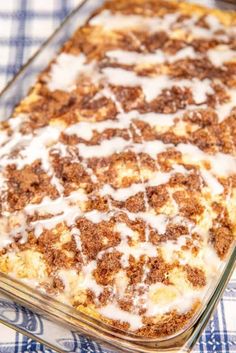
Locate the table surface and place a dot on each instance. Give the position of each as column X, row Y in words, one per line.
column 24, row 25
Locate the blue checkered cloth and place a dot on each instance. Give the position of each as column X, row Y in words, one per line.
column 24, row 25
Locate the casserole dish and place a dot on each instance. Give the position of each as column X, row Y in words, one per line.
column 155, row 341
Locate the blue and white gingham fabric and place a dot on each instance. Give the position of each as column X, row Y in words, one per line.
column 24, row 25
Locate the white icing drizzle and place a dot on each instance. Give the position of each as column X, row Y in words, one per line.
column 76, row 234
column 221, row 54
column 117, row 21
column 88, row 279
column 123, row 120
column 141, row 248
column 105, row 148
column 134, row 58
column 213, row 22
column 138, row 132
column 225, row 109
column 11, row 227
column 182, row 303
column 85, row 130
column 221, row 164
column 124, row 230
column 113, row 311
column 158, row 57
column 97, row 216
column 212, row 182
column 172, row 249
column 66, row 70
column 153, row 86
column 63, row 209
column 75, row 284
column 158, row 178
column 185, row 53
column 122, row 194
column 32, row 147
column 158, row 222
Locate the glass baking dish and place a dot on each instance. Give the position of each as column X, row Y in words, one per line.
column 60, row 315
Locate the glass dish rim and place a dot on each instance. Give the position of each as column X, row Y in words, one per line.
column 187, row 342
column 107, row 328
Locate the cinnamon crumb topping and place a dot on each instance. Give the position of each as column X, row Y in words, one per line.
column 196, row 276
column 107, row 266
column 28, row 185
